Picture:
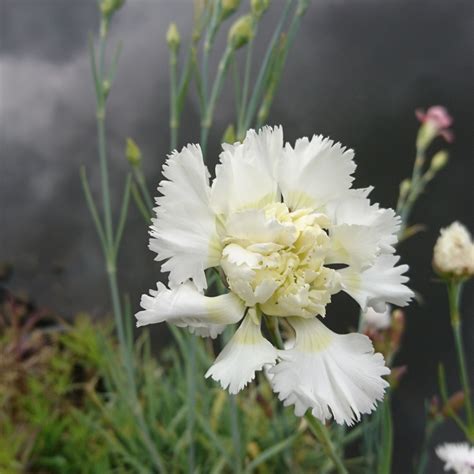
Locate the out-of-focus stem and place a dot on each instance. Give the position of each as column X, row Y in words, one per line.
column 102, row 144
column 140, row 179
column 207, row 47
column 191, row 384
column 245, row 87
column 454, row 293
column 280, row 62
column 207, row 118
column 174, row 124
column 111, row 241
column 234, row 420
column 264, row 70
column 322, row 435
column 424, row 456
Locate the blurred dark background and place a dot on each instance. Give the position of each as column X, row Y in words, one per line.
column 356, row 72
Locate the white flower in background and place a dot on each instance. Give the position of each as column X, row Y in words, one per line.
column 288, row 233
column 372, row 320
column 457, row 456
column 454, row 252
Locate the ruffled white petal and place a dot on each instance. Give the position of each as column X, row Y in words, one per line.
column 245, row 177
column 185, row 306
column 254, row 226
column 315, row 172
column 380, row 284
column 184, row 231
column 330, row 374
column 457, row 456
column 352, row 244
column 266, row 146
column 246, row 352
column 384, row 224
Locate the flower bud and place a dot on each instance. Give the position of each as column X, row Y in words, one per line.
column 259, row 7
column 241, row 31
column 109, row 7
column 435, row 122
column 106, row 87
column 229, row 134
column 228, row 7
column 173, row 38
column 454, row 403
column 133, row 153
column 439, row 161
column 453, row 255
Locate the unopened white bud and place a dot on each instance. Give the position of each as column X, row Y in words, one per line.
column 453, row 255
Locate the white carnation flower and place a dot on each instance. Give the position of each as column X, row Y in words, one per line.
column 288, row 233
column 454, row 252
column 457, row 456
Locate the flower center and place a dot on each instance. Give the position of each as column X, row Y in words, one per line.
column 275, row 258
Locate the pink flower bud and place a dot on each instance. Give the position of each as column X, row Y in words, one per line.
column 437, row 114
column 435, row 122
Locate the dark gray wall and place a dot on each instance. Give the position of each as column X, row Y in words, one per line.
column 357, row 72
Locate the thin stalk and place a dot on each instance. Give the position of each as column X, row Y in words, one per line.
column 444, row 397
column 416, row 187
column 191, row 383
column 280, row 62
column 93, row 210
column 237, row 89
column 207, row 47
column 424, row 456
column 322, row 435
column 140, row 179
column 111, row 241
column 142, row 208
column 173, row 99
column 102, row 143
column 264, row 69
column 206, row 121
column 234, row 420
column 245, row 87
column 186, row 77
column 123, row 214
column 454, row 292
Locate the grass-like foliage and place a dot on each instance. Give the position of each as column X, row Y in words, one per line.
column 61, row 412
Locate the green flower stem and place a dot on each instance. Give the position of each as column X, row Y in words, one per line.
column 245, row 88
column 102, row 143
column 264, row 71
column 404, row 207
column 322, row 435
column 174, row 121
column 191, row 384
column 207, row 47
column 444, row 397
column 140, row 179
column 111, row 240
column 454, row 293
column 141, row 206
column 93, row 210
column 207, row 117
column 431, row 427
column 237, row 87
column 234, row 419
column 280, row 59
